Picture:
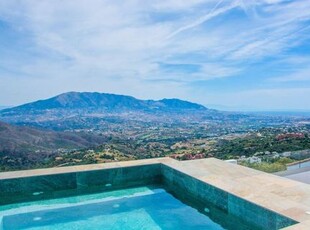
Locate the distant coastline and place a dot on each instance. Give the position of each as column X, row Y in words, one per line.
column 299, row 113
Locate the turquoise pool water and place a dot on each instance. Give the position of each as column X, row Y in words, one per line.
column 132, row 208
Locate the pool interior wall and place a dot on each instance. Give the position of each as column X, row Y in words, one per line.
column 178, row 183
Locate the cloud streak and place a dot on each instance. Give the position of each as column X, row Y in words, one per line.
column 121, row 47
column 213, row 13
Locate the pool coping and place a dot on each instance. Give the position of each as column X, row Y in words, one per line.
column 281, row 195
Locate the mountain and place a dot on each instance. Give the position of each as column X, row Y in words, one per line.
column 37, row 133
column 103, row 101
column 74, row 110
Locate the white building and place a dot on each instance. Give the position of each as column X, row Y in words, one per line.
column 254, row 160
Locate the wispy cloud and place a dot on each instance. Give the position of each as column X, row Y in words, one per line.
column 122, row 46
column 215, row 11
column 301, row 75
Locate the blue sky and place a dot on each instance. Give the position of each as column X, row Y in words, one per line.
column 232, row 54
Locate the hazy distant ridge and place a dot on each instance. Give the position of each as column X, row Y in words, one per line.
column 76, row 100
column 75, row 110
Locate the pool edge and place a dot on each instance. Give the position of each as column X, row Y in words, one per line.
column 233, row 179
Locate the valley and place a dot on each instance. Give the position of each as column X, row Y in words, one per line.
column 84, row 128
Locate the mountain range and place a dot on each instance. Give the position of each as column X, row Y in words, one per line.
column 75, row 110
column 104, row 101
column 40, row 130
column 73, row 126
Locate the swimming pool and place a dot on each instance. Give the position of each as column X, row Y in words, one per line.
column 123, row 196
column 147, row 207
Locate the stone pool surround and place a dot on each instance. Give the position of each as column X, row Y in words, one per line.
column 267, row 200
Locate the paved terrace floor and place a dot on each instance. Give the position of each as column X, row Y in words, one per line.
column 284, row 196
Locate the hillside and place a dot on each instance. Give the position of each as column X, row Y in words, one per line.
column 15, row 137
column 24, row 145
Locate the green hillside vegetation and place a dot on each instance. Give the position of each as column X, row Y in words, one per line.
column 248, row 146
column 25, row 148
column 270, row 167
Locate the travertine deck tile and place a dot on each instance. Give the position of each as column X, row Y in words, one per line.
column 287, row 197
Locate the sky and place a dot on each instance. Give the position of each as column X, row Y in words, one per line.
column 227, row 54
